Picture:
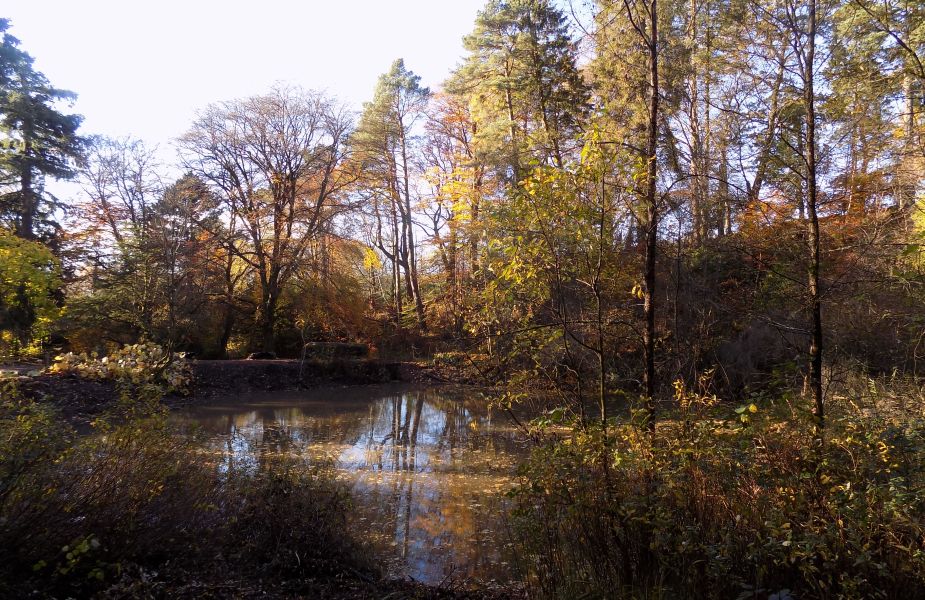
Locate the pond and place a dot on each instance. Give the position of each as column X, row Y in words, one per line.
column 428, row 467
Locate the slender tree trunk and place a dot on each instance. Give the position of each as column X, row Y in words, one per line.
column 711, row 218
column 396, row 265
column 725, row 225
column 907, row 186
column 409, row 235
column 651, row 229
column 28, row 199
column 512, row 131
column 599, row 305
column 474, row 208
column 815, row 347
column 696, row 135
column 452, row 269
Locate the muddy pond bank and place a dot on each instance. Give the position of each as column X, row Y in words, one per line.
column 81, row 399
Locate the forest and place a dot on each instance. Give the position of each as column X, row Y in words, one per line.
column 687, row 237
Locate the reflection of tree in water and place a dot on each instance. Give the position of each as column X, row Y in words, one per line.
column 437, row 511
column 396, row 449
column 427, row 467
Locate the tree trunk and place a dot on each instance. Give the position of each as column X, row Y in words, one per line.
column 408, row 227
column 268, row 317
column 512, row 131
column 227, row 328
column 28, row 200
column 396, row 266
column 725, row 224
column 651, row 229
column 815, row 309
column 267, row 322
column 697, row 162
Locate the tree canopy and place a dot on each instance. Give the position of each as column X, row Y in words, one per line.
column 38, row 141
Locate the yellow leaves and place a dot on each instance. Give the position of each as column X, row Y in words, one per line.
column 592, row 145
column 744, row 411
column 883, row 453
column 371, row 260
column 679, row 390
column 638, row 292
column 29, row 269
column 688, row 400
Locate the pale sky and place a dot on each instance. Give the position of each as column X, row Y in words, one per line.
column 144, row 68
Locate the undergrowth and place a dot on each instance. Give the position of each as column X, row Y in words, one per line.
column 134, row 506
column 725, row 501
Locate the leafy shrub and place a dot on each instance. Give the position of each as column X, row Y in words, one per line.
column 453, row 358
column 30, row 275
column 135, row 363
column 77, row 508
column 732, row 502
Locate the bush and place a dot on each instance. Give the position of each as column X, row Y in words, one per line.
column 732, row 502
column 292, row 521
column 30, row 277
column 135, row 508
column 135, row 364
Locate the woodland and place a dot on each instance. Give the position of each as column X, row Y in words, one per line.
column 692, row 230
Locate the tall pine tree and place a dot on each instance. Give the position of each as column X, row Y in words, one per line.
column 386, row 148
column 523, row 86
column 36, row 141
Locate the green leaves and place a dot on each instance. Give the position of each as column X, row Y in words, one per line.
column 523, row 85
column 29, row 279
column 745, row 411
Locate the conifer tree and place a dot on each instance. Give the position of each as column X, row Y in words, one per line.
column 522, row 82
column 386, row 149
column 36, row 141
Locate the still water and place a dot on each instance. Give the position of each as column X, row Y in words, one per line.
column 428, row 467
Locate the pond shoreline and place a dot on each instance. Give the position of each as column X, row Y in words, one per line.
column 79, row 399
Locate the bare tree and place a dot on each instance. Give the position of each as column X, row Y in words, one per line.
column 275, row 162
column 121, row 184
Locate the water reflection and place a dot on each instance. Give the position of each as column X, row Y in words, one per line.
column 427, row 466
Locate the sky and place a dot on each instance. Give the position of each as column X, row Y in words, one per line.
column 143, row 68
